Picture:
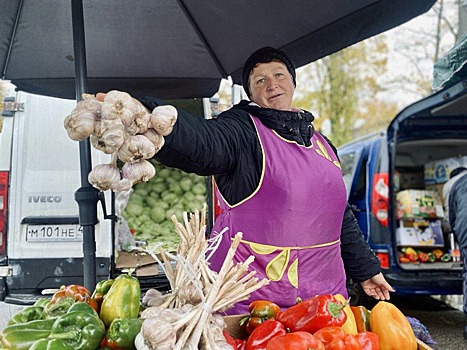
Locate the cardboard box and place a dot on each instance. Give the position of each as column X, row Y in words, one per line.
column 420, row 233
column 234, row 329
column 144, row 264
column 413, row 204
column 438, row 171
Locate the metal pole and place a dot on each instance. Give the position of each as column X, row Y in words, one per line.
column 86, row 196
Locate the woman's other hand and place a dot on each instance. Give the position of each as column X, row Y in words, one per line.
column 377, row 287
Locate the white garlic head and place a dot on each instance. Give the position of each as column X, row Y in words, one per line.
column 136, row 147
column 163, row 119
column 156, row 139
column 158, row 333
column 118, row 105
column 140, row 171
column 89, row 101
column 103, row 176
column 79, row 124
column 108, row 136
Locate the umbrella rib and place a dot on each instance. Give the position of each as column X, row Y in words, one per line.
column 203, row 38
column 13, row 34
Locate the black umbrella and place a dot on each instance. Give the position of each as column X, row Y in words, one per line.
column 169, row 49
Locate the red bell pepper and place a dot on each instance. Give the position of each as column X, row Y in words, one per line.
column 348, row 343
column 327, row 334
column 423, row 257
column 260, row 310
column 295, row 341
column 368, row 340
column 237, row 344
column 262, row 334
column 313, row 314
column 68, row 295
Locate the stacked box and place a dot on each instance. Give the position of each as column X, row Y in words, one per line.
column 413, row 204
column 438, row 171
column 420, row 233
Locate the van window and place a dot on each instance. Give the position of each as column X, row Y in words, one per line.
column 360, row 189
column 349, row 162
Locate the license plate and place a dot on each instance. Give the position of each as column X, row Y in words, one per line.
column 54, row 233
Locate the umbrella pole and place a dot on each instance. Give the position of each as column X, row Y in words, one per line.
column 86, row 196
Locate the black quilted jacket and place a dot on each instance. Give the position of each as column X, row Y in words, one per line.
column 228, row 148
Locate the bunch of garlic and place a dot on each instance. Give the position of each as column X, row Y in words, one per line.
column 121, row 126
column 188, row 317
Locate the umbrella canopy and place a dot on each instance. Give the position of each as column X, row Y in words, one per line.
column 177, row 48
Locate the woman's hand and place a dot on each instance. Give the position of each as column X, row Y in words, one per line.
column 377, row 287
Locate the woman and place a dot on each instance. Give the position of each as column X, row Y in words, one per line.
column 279, row 182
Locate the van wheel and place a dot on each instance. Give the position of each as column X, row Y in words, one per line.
column 358, row 297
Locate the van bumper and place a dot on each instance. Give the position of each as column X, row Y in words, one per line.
column 425, row 283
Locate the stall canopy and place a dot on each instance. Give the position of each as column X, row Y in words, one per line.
column 452, row 67
column 177, row 48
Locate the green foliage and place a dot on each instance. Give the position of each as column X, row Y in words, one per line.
column 340, row 84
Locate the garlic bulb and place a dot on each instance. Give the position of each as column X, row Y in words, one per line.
column 139, row 171
column 158, row 333
column 163, row 119
column 150, row 312
column 139, row 122
column 189, row 294
column 103, row 176
column 156, row 139
column 108, row 136
column 136, row 147
column 122, row 185
column 89, row 101
column 118, row 105
column 79, row 124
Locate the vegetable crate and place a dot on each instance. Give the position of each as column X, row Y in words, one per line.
column 234, row 329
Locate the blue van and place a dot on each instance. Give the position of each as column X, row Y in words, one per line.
column 382, row 171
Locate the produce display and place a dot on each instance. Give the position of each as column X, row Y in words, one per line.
column 322, row 322
column 411, row 255
column 152, row 204
column 116, row 316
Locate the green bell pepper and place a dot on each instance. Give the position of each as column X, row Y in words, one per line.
column 50, row 344
column 102, row 287
column 22, row 336
column 122, row 332
column 79, row 330
column 83, row 307
column 41, row 302
column 445, row 257
column 30, row 313
column 58, row 308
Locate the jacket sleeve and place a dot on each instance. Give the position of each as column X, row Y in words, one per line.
column 201, row 146
column 360, row 262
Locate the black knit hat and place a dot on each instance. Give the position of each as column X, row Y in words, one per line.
column 265, row 55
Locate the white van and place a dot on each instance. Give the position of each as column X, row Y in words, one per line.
column 41, row 243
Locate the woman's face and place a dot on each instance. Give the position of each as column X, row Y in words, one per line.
column 271, row 86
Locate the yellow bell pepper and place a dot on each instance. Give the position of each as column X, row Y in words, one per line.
column 393, row 329
column 350, row 325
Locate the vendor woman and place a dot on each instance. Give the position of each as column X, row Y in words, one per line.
column 279, row 182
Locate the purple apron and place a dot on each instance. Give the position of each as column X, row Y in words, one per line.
column 291, row 223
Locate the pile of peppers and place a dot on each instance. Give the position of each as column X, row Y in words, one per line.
column 323, row 322
column 75, row 319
